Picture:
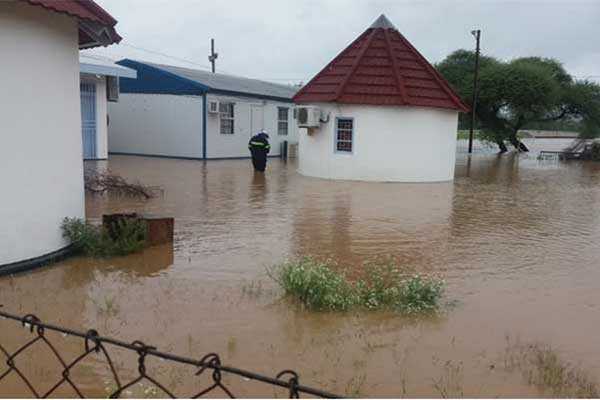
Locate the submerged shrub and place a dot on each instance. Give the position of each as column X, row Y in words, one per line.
column 421, row 294
column 130, row 237
column 316, row 285
column 325, row 286
column 95, row 241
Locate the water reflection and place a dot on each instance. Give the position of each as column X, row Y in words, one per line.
column 359, row 222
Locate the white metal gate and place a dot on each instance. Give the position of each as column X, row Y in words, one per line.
column 88, row 119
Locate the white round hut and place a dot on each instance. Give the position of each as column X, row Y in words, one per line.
column 378, row 112
column 41, row 167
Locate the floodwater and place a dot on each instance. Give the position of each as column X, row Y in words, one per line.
column 516, row 239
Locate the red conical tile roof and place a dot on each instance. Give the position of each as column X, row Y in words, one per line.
column 381, row 68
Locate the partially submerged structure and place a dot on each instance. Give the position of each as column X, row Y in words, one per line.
column 41, row 166
column 378, row 112
column 99, row 84
column 185, row 113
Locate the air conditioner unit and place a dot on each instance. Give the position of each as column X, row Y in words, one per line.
column 213, row 107
column 308, row 116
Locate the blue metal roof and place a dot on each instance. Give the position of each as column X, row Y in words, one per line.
column 157, row 81
column 158, row 78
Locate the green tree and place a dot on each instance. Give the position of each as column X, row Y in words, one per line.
column 521, row 92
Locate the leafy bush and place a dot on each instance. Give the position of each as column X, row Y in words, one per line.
column 421, row 294
column 95, row 241
column 316, row 285
column 325, row 286
column 130, row 238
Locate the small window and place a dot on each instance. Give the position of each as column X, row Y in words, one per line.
column 282, row 120
column 344, row 134
column 227, row 118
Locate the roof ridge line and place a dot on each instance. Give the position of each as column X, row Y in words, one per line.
column 359, row 56
column 399, row 78
column 157, row 65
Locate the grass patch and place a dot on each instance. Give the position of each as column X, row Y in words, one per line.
column 543, row 368
column 324, row 286
column 95, row 241
column 551, row 374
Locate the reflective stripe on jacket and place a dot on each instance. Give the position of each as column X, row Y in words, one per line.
column 259, row 144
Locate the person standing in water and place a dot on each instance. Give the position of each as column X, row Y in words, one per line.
column 259, row 148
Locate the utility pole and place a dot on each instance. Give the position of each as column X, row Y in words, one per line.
column 477, row 35
column 213, row 56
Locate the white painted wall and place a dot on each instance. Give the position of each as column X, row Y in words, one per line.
column 171, row 125
column 396, row 144
column 236, row 145
column 101, row 114
column 41, row 166
column 156, row 124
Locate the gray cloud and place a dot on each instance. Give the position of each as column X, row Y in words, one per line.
column 292, row 40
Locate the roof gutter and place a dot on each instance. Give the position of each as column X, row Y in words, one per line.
column 251, row 95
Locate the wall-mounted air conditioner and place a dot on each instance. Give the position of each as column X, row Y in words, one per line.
column 308, row 116
column 213, row 107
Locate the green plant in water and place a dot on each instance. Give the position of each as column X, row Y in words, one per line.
column 131, row 237
column 325, row 286
column 95, row 241
column 316, row 285
column 543, row 368
column 554, row 376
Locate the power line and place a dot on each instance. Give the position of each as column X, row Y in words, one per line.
column 203, row 66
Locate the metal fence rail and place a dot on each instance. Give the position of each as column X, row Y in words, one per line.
column 92, row 342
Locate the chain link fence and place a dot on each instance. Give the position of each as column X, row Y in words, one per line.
column 91, row 343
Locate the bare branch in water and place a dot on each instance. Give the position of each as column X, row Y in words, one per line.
column 106, row 182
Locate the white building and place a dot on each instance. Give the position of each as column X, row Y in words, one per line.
column 383, row 113
column 99, row 84
column 41, row 166
column 178, row 112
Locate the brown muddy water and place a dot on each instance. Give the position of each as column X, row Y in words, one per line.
column 516, row 239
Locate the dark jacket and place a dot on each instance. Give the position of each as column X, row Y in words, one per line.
column 259, row 142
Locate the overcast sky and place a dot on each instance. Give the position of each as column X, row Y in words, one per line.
column 290, row 41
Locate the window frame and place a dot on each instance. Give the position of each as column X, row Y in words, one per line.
column 336, row 140
column 286, row 121
column 225, row 116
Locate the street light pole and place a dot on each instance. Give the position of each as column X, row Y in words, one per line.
column 477, row 35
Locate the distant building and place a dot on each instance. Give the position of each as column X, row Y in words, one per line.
column 99, row 84
column 186, row 113
column 380, row 112
column 41, row 169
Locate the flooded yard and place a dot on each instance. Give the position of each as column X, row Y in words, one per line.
column 516, row 239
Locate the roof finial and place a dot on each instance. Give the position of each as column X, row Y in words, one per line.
column 383, row 23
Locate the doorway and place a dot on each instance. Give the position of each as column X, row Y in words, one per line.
column 88, row 119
